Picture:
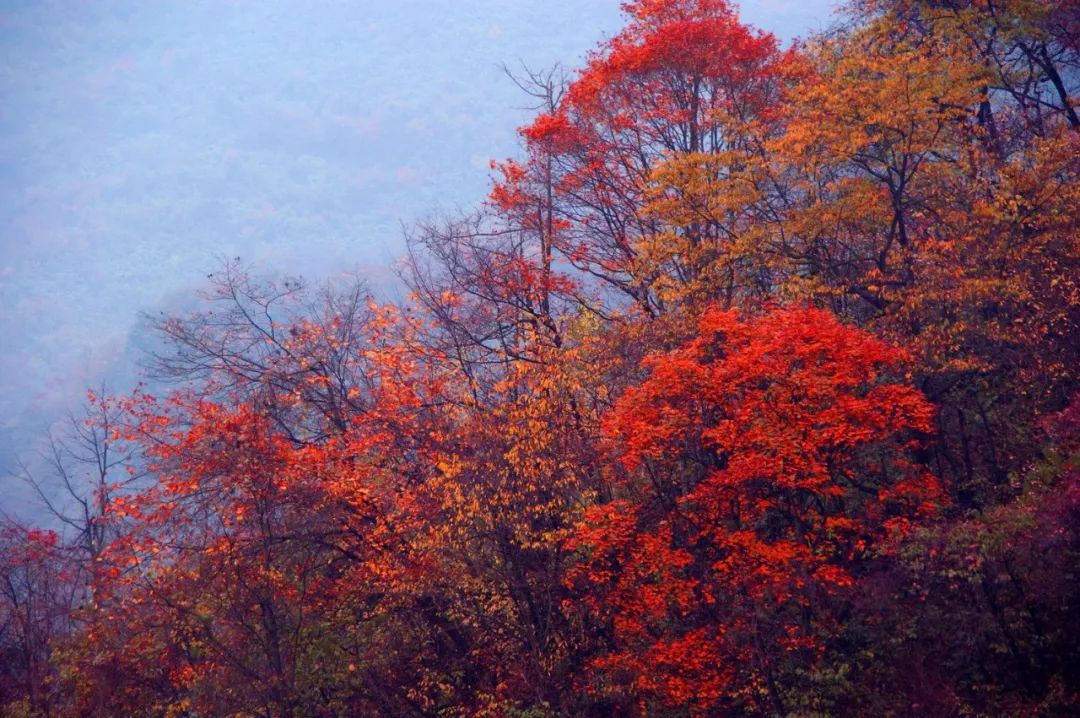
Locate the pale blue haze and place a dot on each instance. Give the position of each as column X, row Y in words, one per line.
column 139, row 140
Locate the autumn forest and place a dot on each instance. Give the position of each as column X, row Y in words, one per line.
column 752, row 389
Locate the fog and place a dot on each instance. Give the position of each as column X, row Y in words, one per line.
column 141, row 141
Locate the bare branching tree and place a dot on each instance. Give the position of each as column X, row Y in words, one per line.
column 297, row 351
column 84, row 465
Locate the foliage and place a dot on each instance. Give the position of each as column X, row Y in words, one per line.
column 747, row 392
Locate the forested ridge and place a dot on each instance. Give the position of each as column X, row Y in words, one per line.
column 751, row 390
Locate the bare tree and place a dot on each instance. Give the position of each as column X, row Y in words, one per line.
column 46, row 576
column 297, row 351
column 84, row 465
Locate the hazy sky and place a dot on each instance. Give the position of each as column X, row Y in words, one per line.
column 139, row 140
